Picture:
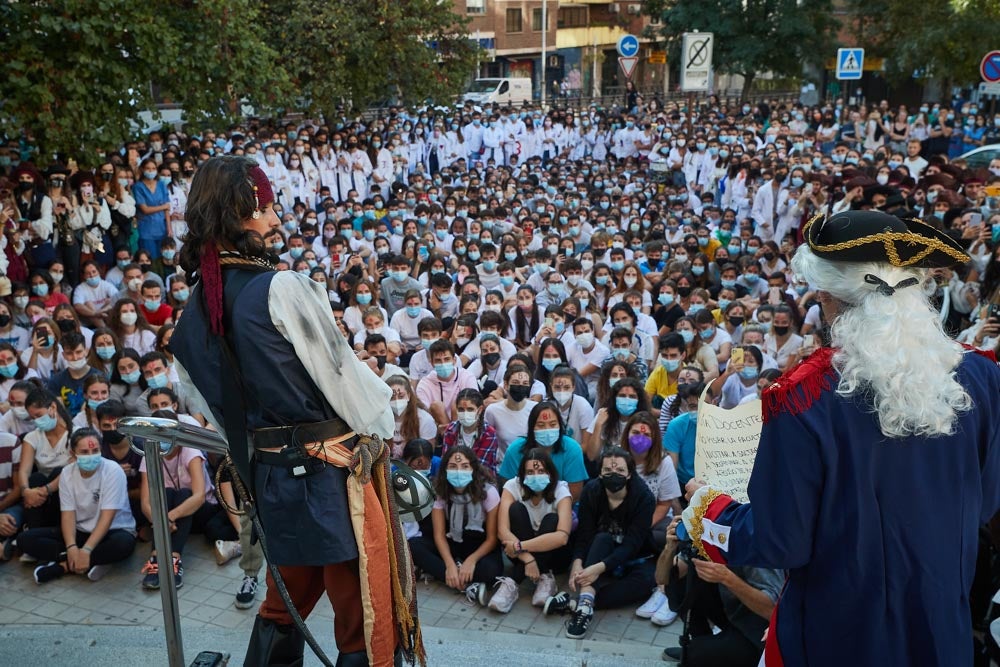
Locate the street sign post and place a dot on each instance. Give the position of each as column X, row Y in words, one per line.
column 989, row 68
column 628, row 65
column 696, row 61
column 628, row 46
column 850, row 63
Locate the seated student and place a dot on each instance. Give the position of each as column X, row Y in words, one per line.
column 439, row 390
column 376, row 355
column 97, row 527
column 471, row 431
column 662, row 382
column 156, row 312
column 739, row 379
column 575, row 411
column 612, row 539
column 44, row 453
column 429, row 330
column 374, row 320
column 127, row 383
column 489, row 367
column 96, row 391
column 510, row 416
column 490, row 323
column 11, row 510
column 412, row 420
column 116, row 448
column 536, row 515
column 405, row 322
column 679, row 440
column 155, row 370
column 67, row 384
column 12, row 371
column 545, row 429
column 463, row 551
column 17, row 421
column 419, row 455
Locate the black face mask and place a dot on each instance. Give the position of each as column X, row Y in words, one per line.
column 380, row 358
column 769, row 256
column 111, row 437
column 4, row 320
column 779, row 331
column 106, row 176
column 519, row 392
column 614, row 482
column 66, row 325
column 491, row 358
column 145, row 267
column 736, row 321
column 25, row 186
column 684, row 291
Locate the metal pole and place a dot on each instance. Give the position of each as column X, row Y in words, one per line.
column 545, row 31
column 164, row 555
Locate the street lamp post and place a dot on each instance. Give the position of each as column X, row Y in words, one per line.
column 545, row 30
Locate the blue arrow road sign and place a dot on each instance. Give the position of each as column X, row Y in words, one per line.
column 628, row 46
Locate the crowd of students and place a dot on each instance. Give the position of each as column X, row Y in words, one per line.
column 548, row 293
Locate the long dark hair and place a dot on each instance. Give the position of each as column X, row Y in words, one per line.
column 221, row 198
column 480, row 476
column 539, row 454
column 533, row 419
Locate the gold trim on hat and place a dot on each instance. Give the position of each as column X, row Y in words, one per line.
column 889, row 239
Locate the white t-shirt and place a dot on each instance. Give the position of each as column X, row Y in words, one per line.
column 577, row 359
column 106, row 489
column 45, row 366
column 177, row 472
column 427, row 429
column 537, row 512
column 490, row 502
column 663, row 483
column 47, row 457
column 791, row 346
column 406, row 326
column 577, row 417
column 510, row 425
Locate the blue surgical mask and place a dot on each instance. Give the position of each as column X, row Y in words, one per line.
column 182, row 295
column 88, row 462
column 665, row 299
column 45, row 423
column 94, row 281
column 670, row 365
column 151, row 306
column 546, row 437
column 506, row 281
column 626, row 406
column 9, row 371
column 93, row 405
column 550, row 364
column 687, row 335
column 444, row 371
column 749, row 372
column 707, row 333
column 364, row 298
column 459, row 479
column 158, row 381
column 413, row 311
column 169, row 254
column 536, row 483
column 131, row 378
column 106, row 352
column 296, row 252
column 427, row 342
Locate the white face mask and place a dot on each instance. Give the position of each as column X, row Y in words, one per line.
column 562, row 397
column 128, row 319
column 77, row 364
column 399, row 405
column 468, row 419
column 21, row 413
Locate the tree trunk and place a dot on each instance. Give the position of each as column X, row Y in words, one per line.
column 748, row 78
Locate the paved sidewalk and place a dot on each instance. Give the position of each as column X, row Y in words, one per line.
column 206, row 603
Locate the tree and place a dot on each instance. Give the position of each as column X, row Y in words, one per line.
column 78, row 73
column 358, row 52
column 944, row 39
column 752, row 36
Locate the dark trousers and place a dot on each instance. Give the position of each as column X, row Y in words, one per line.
column 614, row 590
column 46, row 544
column 556, row 560
column 730, row 646
column 306, row 583
column 209, row 519
column 427, row 558
column 45, row 515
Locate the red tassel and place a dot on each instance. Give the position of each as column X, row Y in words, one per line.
column 801, row 387
column 211, row 285
column 989, row 354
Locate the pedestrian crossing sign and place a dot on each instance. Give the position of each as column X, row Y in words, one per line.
column 850, row 63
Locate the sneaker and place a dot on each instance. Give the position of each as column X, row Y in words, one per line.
column 664, row 616
column 652, row 605
column 672, row 653
column 151, row 582
column 505, row 597
column 226, row 551
column 577, row 627
column 544, row 589
column 96, row 572
column 178, row 573
column 48, row 572
column 248, row 592
column 9, row 545
column 26, row 558
column 560, row 603
column 476, row 593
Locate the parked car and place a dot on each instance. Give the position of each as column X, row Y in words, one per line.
column 981, row 157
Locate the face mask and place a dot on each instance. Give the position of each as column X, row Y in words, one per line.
column 158, row 381
column 459, row 479
column 550, row 364
column 468, row 419
column 697, row 270
column 131, row 378
column 77, row 364
column 413, row 311
column 585, row 340
column 399, row 405
column 112, row 437
column 751, row 278
column 749, row 373
column 536, row 483
column 129, row 319
column 88, row 462
column 444, row 371
column 614, row 482
column 9, row 370
column 106, row 352
column 519, row 392
column 546, row 437
column 93, row 405
column 66, row 325
column 40, row 290
column 149, row 175
column 670, row 365
column 780, row 331
column 626, row 406
column 45, row 423
column 687, row 335
column 639, row 443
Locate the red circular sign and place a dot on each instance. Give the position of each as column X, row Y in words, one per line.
column 989, row 68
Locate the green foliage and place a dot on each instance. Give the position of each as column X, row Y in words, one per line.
column 79, row 72
column 752, row 36
column 357, row 52
column 945, row 39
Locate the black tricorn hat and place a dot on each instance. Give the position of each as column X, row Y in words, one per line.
column 873, row 236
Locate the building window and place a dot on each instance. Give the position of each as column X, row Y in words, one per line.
column 536, row 20
column 475, row 6
column 514, row 20
column 573, row 17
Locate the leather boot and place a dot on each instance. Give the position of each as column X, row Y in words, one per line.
column 355, row 659
column 273, row 645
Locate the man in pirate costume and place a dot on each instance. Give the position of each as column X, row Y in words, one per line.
column 878, row 462
column 260, row 349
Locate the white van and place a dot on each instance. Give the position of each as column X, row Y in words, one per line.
column 499, row 91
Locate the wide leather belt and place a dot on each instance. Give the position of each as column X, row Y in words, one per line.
column 299, row 434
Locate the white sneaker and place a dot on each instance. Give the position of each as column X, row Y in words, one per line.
column 97, row 572
column 226, row 551
column 652, row 605
column 664, row 616
column 25, row 558
column 476, row 593
column 544, row 589
column 505, row 597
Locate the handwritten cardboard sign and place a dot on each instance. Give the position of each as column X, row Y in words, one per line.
column 726, row 446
